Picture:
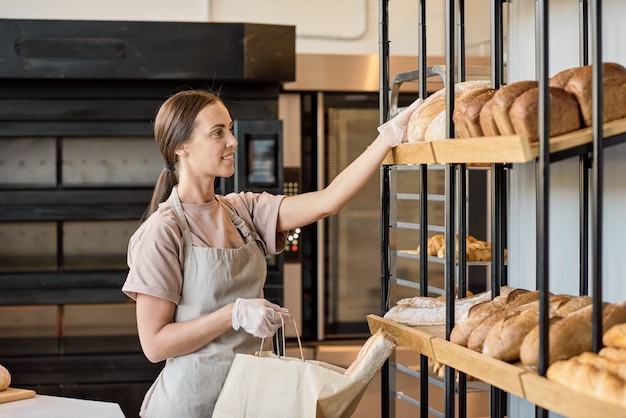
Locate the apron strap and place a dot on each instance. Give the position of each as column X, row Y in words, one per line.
column 248, row 234
column 174, row 201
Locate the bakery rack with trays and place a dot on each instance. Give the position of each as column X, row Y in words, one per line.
column 498, row 154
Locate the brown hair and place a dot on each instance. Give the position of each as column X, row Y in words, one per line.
column 173, row 126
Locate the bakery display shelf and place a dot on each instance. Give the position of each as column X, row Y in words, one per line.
column 512, row 378
column 493, row 149
column 515, row 148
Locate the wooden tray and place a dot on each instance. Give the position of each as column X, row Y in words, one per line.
column 513, row 378
column 13, row 394
column 492, row 149
column 411, row 153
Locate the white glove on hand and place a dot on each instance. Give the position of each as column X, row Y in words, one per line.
column 394, row 130
column 258, row 317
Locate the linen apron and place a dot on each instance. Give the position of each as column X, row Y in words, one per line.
column 189, row 385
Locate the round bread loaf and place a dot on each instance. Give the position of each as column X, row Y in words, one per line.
column 5, row 378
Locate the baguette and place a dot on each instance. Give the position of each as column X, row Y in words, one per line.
column 421, row 311
column 465, row 325
column 615, row 336
column 504, row 339
column 570, row 335
column 588, row 379
column 477, row 337
column 372, row 356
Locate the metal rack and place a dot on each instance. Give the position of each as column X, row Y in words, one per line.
column 589, row 154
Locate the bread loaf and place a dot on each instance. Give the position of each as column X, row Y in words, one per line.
column 588, row 379
column 570, row 335
column 614, row 354
column 504, row 339
column 477, row 337
column 467, row 110
column 466, row 324
column 5, row 378
column 486, row 119
column 475, row 250
column 564, row 113
column 572, row 305
column 422, row 118
column 421, row 311
column 561, row 78
column 372, row 356
column 502, row 102
column 615, row 336
column 614, row 91
column 436, row 130
column 434, row 244
column 616, row 367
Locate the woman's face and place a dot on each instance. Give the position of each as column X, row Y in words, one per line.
column 210, row 152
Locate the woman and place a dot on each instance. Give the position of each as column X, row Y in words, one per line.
column 197, row 262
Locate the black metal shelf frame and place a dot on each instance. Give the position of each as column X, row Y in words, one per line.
column 591, row 164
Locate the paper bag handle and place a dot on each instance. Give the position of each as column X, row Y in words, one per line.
column 282, row 320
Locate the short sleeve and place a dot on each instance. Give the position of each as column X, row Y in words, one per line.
column 154, row 259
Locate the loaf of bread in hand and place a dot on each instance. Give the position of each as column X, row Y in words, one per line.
column 421, row 120
column 614, row 91
column 564, row 113
column 570, row 335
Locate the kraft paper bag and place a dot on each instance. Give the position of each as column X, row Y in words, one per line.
column 264, row 385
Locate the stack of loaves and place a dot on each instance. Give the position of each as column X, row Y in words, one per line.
column 514, row 108
column 602, row 374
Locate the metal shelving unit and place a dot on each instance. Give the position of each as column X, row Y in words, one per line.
column 588, row 150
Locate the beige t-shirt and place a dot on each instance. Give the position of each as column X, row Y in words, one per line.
column 155, row 251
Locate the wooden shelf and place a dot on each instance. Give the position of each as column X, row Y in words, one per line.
column 513, row 378
column 492, row 149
